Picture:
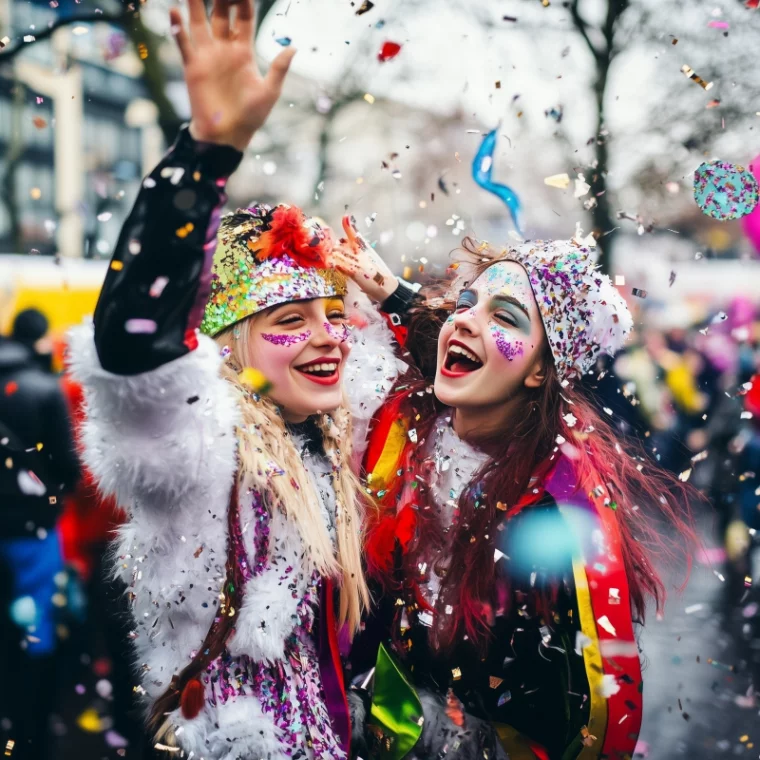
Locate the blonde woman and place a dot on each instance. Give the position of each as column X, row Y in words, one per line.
column 242, row 549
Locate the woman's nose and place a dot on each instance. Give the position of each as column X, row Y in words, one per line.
column 466, row 321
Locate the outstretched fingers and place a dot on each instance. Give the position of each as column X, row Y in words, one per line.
column 198, row 22
column 245, row 19
column 220, row 19
column 180, row 34
column 279, row 69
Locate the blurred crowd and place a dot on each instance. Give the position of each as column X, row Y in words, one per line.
column 686, row 392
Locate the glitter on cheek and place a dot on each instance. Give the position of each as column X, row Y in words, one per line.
column 339, row 333
column 450, row 319
column 470, row 313
column 286, row 340
column 510, row 350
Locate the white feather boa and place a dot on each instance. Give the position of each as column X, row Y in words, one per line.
column 163, row 444
column 372, row 367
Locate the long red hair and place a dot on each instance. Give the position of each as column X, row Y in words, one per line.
column 652, row 505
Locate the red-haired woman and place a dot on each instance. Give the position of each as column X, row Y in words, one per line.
column 512, row 544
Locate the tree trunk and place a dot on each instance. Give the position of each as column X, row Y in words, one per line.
column 146, row 43
column 323, row 167
column 601, row 214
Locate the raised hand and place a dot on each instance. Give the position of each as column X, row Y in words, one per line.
column 229, row 98
column 355, row 258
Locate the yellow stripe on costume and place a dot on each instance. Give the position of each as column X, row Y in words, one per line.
column 513, row 742
column 387, row 465
column 592, row 658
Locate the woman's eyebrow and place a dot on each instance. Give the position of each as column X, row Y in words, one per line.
column 503, row 298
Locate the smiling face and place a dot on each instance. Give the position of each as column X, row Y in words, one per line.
column 301, row 348
column 490, row 347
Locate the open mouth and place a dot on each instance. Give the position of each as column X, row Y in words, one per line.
column 321, row 371
column 460, row 360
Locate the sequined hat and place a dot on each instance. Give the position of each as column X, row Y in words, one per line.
column 266, row 257
column 583, row 314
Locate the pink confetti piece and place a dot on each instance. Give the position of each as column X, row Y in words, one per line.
column 140, row 326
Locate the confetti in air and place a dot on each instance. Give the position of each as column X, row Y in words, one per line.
column 725, row 191
column 388, row 51
column 482, row 167
column 689, row 72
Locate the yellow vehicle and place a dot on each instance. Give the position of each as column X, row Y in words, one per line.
column 65, row 290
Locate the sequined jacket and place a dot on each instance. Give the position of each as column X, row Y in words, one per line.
column 159, row 436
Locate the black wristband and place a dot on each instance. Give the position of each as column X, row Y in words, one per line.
column 401, row 301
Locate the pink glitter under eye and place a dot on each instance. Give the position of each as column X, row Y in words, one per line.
column 285, row 339
column 337, row 333
column 509, row 349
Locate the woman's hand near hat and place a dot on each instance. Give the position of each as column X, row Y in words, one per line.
column 229, row 98
column 355, row 257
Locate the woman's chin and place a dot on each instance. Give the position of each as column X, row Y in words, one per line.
column 445, row 391
column 296, row 409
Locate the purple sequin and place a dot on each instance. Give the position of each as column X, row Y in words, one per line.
column 289, row 690
column 339, row 333
column 261, row 537
column 510, row 350
column 286, row 340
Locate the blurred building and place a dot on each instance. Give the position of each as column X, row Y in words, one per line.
column 70, row 162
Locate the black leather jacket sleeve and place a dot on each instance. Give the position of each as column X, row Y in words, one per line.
column 157, row 284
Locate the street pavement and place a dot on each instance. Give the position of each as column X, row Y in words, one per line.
column 694, row 673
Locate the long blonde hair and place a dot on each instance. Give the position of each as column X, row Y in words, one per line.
column 263, row 440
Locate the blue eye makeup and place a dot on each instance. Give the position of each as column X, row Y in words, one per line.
column 467, row 299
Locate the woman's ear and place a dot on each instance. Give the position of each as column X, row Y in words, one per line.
column 536, row 375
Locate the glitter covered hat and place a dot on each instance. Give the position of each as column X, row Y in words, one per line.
column 583, row 314
column 266, row 257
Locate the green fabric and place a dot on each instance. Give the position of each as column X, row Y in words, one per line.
column 396, row 709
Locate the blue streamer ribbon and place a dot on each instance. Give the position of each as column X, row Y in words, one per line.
column 482, row 166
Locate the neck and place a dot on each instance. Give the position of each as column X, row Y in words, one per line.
column 293, row 419
column 478, row 422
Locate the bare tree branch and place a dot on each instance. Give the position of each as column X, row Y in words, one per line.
column 582, row 26
column 11, row 52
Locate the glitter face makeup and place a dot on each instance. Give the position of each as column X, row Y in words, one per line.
column 285, row 339
column 301, row 348
column 488, row 348
column 509, row 349
column 337, row 332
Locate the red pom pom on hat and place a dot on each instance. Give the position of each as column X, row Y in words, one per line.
column 291, row 234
